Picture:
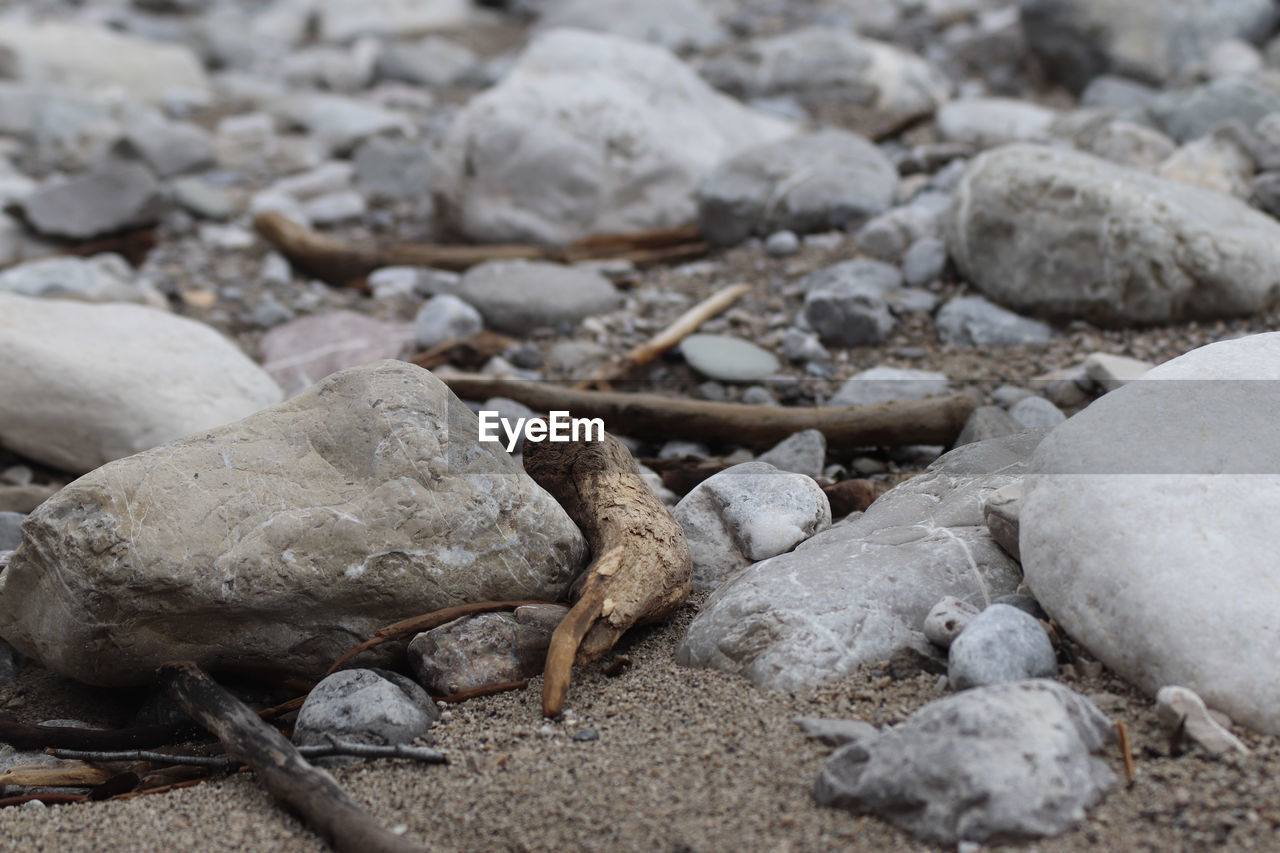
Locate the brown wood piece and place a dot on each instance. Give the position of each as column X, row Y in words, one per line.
column 641, row 572
column 313, row 793
column 472, row 351
column 1126, row 749
column 935, row 420
column 66, row 775
column 683, row 326
column 67, row 737
column 849, row 496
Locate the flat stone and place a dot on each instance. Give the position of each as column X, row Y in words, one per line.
column 339, row 122
column 674, row 24
column 518, row 296
column 1002, row 513
column 100, row 279
column 278, row 542
column 115, row 196
column 24, row 499
column 987, row 422
column 202, row 198
column 370, row 706
column 728, row 359
column 836, row 732
column 882, row 384
column 1003, row 761
column 431, row 61
column 1036, row 413
column 987, row 122
column 1112, row 371
column 300, row 352
column 804, row 452
column 1216, row 162
column 1187, row 114
column 483, row 650
column 342, row 20
column 1002, row 643
column 1128, row 143
column 445, row 318
column 974, row 321
column 102, row 381
column 170, row 147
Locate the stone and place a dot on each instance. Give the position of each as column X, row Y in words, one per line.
column 395, row 170
column 924, row 262
column 336, row 207
column 1076, row 40
column 10, row 530
column 99, row 60
column 432, row 61
column 11, row 662
column 575, row 357
column 947, row 619
column 1002, row 643
column 301, row 352
column 198, row 196
column 853, row 595
column 882, row 384
column 332, row 176
column 804, row 452
column 1189, row 461
column 970, row 321
column 1265, row 144
column 1002, row 513
column 846, row 303
column 800, row 346
column 998, row 762
column 339, row 122
column 817, row 181
column 483, row 650
column 674, row 24
column 836, row 732
column 1128, row 143
column 1265, row 192
column 745, row 514
column 92, row 280
column 1188, row 114
column 338, row 69
column 728, row 359
column 114, row 196
column 169, row 148
column 370, row 706
column 988, row 122
column 1216, row 162
column 1180, row 709
column 781, row 244
column 102, row 381
column 278, row 542
column 445, row 318
column 1121, row 247
column 518, row 296
column 1036, row 413
column 24, row 499
column 613, row 136
column 1111, row 371
column 1114, row 90
column 987, row 422
column 342, row 20
column 1232, row 57
column 885, row 86
column 888, row 236
column 512, row 411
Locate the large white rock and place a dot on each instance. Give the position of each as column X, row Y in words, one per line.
column 84, row 384
column 99, row 60
column 1058, row 233
column 279, row 541
column 588, row 133
column 1147, row 530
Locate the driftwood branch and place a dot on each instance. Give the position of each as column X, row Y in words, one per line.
column 55, row 776
column 340, row 263
column 315, row 795
column 67, row 737
column 683, row 326
column 641, row 572
column 935, row 420
column 320, row 750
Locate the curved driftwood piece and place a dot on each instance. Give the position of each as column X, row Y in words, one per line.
column 641, row 569
column 312, row 792
column 935, row 420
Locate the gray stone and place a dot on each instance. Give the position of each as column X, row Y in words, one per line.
column 727, row 358
column 1217, row 161
column 577, row 356
column 279, row 541
column 11, row 660
column 973, row 321
column 114, row 196
column 303, row 351
column 881, row 86
column 804, row 452
column 197, row 195
column 911, row 300
column 1076, row 40
column 338, row 69
column 747, row 513
column 845, row 303
column 613, row 136
column 1003, row 761
column 342, row 20
column 333, row 208
column 102, row 381
column 1110, row 371
column 1231, row 57
column 675, row 24
column 1036, row 413
column 1000, row 644
column 1113, row 90
column 1128, row 143
column 1122, row 247
column 518, row 296
column 483, row 650
column 1006, row 395
column 882, row 384
column 947, row 619
column 10, row 530
column 393, row 169
column 370, row 706
column 924, row 261
column 799, row 345
column 1188, row 114
column 987, row 122
column 339, row 122
column 94, row 280
column 1190, row 463
column 888, row 236
column 836, row 732
column 1265, row 191
column 855, row 594
column 814, row 182
column 987, row 422
column 432, row 61
column 781, row 244
column 170, row 148
column 1265, row 144
column 1181, row 710
column 445, row 318
column 1002, row 513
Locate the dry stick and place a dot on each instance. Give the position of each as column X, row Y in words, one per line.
column 487, row 690
column 313, row 793
column 42, row 737
column 55, row 775
column 320, row 750
column 642, row 571
column 935, row 420
column 686, row 324
column 1126, row 751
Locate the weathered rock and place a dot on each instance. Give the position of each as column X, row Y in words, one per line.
column 1002, row 512
column 364, row 706
column 728, row 359
column 101, row 279
column 1180, row 709
column 1128, row 143
column 306, row 350
column 1036, row 413
column 115, row 196
column 974, row 321
column 99, row 382
column 924, row 261
column 393, row 169
column 881, row 384
column 432, row 61
column 836, row 732
column 855, row 594
column 1174, row 482
column 484, row 650
column 1007, row 760
column 24, row 498
column 10, row 530
column 947, row 619
column 280, row 541
column 674, row 24
column 1076, row 40
column 519, row 296
column 987, row 422
column 1187, row 114
column 805, row 452
column 747, row 513
column 588, row 133
column 846, row 303
column 987, row 122
column 169, row 147
column 888, row 236
column 444, row 318
column 339, row 122
column 814, row 182
column 888, row 86
column 1216, row 162
column 342, row 20
column 1110, row 371
column 1119, row 246
column 1002, row 643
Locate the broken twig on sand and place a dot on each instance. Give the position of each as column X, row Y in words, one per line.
column 322, row 750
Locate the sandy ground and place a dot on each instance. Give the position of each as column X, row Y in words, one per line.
column 686, row 760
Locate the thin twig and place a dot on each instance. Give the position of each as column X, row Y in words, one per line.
column 1126, row 750
column 336, row 747
column 487, row 690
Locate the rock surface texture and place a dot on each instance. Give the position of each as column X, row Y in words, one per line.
column 278, row 542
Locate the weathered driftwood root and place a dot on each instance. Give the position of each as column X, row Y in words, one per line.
column 340, row 263
column 935, row 420
column 313, row 793
column 43, row 737
column 641, row 571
